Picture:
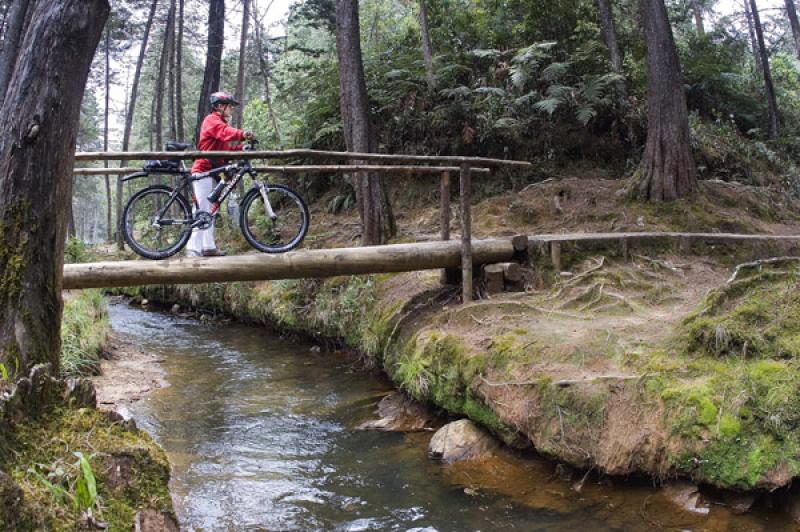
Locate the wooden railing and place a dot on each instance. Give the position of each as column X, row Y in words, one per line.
column 445, row 166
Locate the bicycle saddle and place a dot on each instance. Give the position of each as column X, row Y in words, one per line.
column 173, row 145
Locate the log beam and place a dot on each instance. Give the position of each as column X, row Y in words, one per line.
column 319, row 169
column 292, row 265
column 290, row 154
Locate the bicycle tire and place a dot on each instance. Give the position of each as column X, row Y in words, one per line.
column 138, row 233
column 274, row 236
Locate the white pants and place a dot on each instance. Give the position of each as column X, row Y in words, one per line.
column 202, row 240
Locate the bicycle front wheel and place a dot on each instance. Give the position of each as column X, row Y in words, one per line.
column 277, row 227
column 155, row 226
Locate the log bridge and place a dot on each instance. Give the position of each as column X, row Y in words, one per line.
column 450, row 255
column 413, row 257
column 333, row 260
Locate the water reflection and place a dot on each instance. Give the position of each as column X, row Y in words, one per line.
column 259, row 433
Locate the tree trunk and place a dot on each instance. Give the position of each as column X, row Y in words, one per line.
column 667, row 170
column 107, row 83
column 181, row 131
column 356, row 118
column 71, row 232
column 18, row 20
column 609, row 32
column 427, row 49
column 173, row 127
column 240, row 86
column 263, row 63
column 772, row 104
column 3, row 20
column 126, row 135
column 211, row 77
column 163, row 65
column 791, row 11
column 753, row 40
column 40, row 111
column 698, row 17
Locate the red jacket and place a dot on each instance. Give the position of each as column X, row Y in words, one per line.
column 215, row 135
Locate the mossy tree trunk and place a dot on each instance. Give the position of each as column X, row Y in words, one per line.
column 667, row 171
column 372, row 201
column 41, row 111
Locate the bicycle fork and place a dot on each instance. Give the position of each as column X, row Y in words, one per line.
column 262, row 188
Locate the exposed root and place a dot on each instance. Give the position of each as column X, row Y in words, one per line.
column 757, row 263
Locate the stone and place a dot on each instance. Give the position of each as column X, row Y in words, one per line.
column 685, row 495
column 154, row 521
column 81, row 393
column 400, row 413
column 461, row 440
column 739, row 503
column 176, row 308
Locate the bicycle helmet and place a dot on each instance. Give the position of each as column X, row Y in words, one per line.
column 222, row 97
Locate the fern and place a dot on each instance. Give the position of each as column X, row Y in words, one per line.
column 548, row 105
column 491, row 91
column 584, row 114
column 555, row 71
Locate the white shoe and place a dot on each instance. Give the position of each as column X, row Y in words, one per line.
column 193, row 253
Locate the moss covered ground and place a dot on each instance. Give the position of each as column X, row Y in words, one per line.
column 69, row 468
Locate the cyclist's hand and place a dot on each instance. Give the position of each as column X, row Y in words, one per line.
column 248, row 135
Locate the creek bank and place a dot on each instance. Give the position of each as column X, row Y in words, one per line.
column 56, row 443
column 609, row 367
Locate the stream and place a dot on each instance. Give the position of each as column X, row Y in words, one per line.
column 260, row 432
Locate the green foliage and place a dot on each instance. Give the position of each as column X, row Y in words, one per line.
column 76, row 251
column 84, row 332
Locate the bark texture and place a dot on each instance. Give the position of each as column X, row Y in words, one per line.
column 371, row 200
column 41, row 111
column 667, row 169
column 609, row 31
column 791, row 12
column 240, row 79
column 126, row 134
column 769, row 88
column 427, row 48
column 211, row 77
column 107, row 101
column 181, row 130
column 12, row 39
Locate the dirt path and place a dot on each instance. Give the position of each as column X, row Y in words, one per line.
column 127, row 376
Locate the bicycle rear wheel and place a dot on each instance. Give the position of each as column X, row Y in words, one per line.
column 153, row 236
column 280, row 233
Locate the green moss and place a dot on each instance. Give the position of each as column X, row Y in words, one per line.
column 757, row 316
column 48, row 444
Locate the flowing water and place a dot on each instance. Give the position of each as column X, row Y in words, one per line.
column 260, row 432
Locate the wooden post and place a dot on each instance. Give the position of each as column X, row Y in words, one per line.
column 466, row 233
column 555, row 255
column 444, row 215
column 450, row 276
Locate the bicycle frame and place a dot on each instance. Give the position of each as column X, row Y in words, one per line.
column 241, row 167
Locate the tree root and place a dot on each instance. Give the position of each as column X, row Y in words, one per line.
column 756, row 263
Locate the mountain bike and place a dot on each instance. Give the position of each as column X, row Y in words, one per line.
column 157, row 220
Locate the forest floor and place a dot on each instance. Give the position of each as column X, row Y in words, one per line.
column 657, row 363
